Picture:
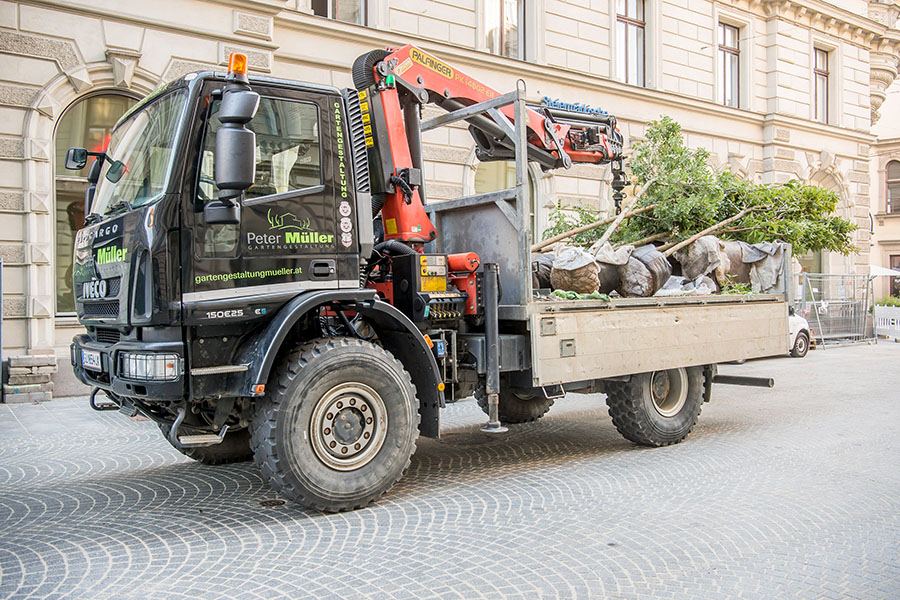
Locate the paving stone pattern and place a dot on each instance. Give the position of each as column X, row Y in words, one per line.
column 785, row 493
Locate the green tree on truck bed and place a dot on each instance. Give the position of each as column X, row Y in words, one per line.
column 691, row 197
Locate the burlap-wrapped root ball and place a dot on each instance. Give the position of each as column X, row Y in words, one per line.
column 609, row 278
column 574, row 270
column 646, row 271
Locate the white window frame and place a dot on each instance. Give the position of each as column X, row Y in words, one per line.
column 306, row 6
column 747, row 45
column 651, row 55
column 527, row 19
column 835, row 80
column 724, row 52
column 886, row 207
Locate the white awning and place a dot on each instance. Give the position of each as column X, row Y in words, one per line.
column 873, row 270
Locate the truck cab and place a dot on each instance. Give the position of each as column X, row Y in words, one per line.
column 163, row 292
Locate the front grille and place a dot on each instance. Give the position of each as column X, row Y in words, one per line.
column 107, row 336
column 101, row 309
column 112, row 288
column 357, row 141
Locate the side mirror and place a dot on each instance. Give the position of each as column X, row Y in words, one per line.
column 76, row 158
column 238, row 105
column 115, row 171
column 93, row 177
column 235, row 158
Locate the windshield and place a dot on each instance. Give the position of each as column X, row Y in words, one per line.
column 139, row 156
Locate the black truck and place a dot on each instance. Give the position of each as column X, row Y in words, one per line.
column 261, row 275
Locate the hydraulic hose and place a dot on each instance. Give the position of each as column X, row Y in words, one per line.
column 394, row 248
column 387, row 247
column 378, row 201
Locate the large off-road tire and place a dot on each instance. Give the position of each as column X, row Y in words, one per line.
column 337, row 426
column 516, row 406
column 659, row 408
column 234, row 448
column 801, row 345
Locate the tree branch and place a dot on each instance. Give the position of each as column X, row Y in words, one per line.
column 673, row 249
column 646, row 240
column 556, row 238
column 609, row 230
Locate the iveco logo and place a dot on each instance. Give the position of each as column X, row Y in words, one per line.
column 94, row 289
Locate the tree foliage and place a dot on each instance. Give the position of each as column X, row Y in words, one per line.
column 690, row 197
column 563, row 218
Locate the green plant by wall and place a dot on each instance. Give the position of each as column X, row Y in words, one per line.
column 893, row 301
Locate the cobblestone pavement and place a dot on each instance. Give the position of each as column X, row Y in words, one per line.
column 785, row 493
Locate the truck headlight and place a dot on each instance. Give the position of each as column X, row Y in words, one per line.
column 149, row 366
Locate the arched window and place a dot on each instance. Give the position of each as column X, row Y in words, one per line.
column 893, row 187
column 87, row 123
column 500, row 175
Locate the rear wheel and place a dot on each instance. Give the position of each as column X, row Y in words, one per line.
column 516, row 406
column 338, row 425
column 801, row 345
column 658, row 408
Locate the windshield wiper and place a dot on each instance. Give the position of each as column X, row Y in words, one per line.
column 93, row 218
column 118, row 206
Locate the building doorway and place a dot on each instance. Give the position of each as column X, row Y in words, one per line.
column 87, row 123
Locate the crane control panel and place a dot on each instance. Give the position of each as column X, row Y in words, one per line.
column 423, row 289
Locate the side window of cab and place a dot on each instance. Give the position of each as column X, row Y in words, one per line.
column 288, row 161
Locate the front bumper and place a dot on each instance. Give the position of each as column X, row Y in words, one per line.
column 110, row 379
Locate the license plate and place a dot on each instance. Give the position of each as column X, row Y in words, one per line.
column 90, row 359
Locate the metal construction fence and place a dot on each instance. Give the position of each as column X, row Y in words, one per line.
column 836, row 306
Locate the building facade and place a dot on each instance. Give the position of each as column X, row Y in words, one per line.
column 885, row 210
column 774, row 89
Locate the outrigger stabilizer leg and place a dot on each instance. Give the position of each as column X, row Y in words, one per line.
column 492, row 343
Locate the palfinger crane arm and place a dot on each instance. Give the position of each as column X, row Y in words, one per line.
column 394, row 83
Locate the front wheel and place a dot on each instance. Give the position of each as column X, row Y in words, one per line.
column 337, row 426
column 801, row 345
column 658, row 408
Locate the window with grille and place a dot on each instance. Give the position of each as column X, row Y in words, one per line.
column 730, row 65
column 630, row 25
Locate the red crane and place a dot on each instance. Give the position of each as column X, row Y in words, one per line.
column 394, row 83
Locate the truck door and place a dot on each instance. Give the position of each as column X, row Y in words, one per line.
column 293, row 231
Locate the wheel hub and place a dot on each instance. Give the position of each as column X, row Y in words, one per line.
column 668, row 390
column 348, row 426
column 660, row 386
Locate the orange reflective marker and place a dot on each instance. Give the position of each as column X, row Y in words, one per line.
column 259, row 388
column 441, row 386
column 237, row 63
column 428, row 341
